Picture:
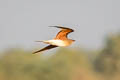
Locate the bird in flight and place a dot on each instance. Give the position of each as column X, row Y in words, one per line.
column 60, row 40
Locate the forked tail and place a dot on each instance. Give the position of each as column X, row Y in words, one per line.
column 39, row 41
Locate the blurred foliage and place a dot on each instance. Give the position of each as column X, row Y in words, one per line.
column 64, row 64
column 108, row 61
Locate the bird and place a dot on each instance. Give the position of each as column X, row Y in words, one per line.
column 61, row 39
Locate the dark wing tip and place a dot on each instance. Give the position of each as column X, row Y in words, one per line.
column 36, row 52
column 62, row 27
column 45, row 48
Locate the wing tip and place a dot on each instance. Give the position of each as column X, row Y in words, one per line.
column 62, row 27
column 55, row 26
column 36, row 52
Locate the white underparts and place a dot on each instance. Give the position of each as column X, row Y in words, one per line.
column 56, row 42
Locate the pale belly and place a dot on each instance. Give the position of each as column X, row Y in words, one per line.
column 57, row 42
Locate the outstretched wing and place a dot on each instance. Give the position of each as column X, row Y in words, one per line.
column 63, row 33
column 46, row 48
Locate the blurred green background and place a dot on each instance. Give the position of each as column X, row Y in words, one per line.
column 94, row 56
column 64, row 64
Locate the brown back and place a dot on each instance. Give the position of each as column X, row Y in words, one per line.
column 63, row 33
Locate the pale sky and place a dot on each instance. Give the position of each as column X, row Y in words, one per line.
column 24, row 21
